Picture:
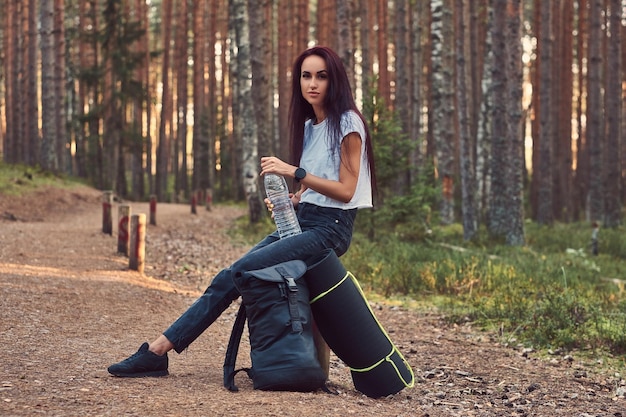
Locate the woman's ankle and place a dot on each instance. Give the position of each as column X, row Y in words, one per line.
column 161, row 346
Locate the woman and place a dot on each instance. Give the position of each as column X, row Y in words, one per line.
column 333, row 164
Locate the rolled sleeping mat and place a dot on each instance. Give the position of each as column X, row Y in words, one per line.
column 350, row 328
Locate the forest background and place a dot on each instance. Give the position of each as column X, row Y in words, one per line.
column 498, row 115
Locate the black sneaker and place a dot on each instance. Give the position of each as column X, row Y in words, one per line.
column 142, row 363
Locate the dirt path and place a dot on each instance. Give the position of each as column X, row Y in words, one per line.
column 70, row 307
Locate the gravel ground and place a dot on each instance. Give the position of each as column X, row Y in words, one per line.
column 71, row 307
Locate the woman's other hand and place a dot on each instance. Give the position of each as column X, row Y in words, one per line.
column 269, row 206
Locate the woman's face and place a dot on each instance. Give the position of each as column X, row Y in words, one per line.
column 314, row 80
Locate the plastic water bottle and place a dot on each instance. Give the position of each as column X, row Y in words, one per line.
column 284, row 213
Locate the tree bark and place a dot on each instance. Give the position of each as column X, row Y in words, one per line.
column 442, row 110
column 470, row 226
column 485, row 122
column 181, row 64
column 545, row 210
column 260, row 56
column 498, row 189
column 163, row 148
column 515, row 166
column 49, row 158
column 243, row 100
column 595, row 115
column 31, row 139
column 613, row 176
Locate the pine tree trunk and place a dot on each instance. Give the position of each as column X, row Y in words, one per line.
column 416, row 157
column 595, row 136
column 515, row 166
column 468, row 208
column 162, row 155
column 31, row 139
column 382, row 39
column 345, row 42
column 49, row 158
column 498, row 189
column 402, row 104
column 614, row 103
column 179, row 162
column 563, row 113
column 200, row 145
column 59, row 85
column 545, row 211
column 582, row 162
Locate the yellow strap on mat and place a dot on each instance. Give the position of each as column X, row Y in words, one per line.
column 331, row 289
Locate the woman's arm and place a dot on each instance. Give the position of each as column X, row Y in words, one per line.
column 342, row 190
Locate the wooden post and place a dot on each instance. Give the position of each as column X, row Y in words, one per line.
column 107, row 216
column 137, row 255
column 209, row 199
column 194, row 202
column 323, row 350
column 123, row 229
column 153, row 203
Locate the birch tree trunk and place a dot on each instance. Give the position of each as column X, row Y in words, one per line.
column 260, row 56
column 240, row 50
column 285, row 61
column 415, row 35
column 485, row 122
column 442, row 111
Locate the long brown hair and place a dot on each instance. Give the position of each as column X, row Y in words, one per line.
column 338, row 100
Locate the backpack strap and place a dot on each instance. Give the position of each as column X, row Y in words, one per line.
column 233, row 349
column 292, row 298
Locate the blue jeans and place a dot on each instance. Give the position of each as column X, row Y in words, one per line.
column 322, row 228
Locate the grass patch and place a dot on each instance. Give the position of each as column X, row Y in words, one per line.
column 550, row 294
column 21, row 179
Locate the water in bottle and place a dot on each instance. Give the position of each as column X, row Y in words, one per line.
column 284, row 213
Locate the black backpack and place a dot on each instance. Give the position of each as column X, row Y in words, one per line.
column 275, row 301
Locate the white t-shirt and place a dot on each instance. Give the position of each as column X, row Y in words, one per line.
column 320, row 160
